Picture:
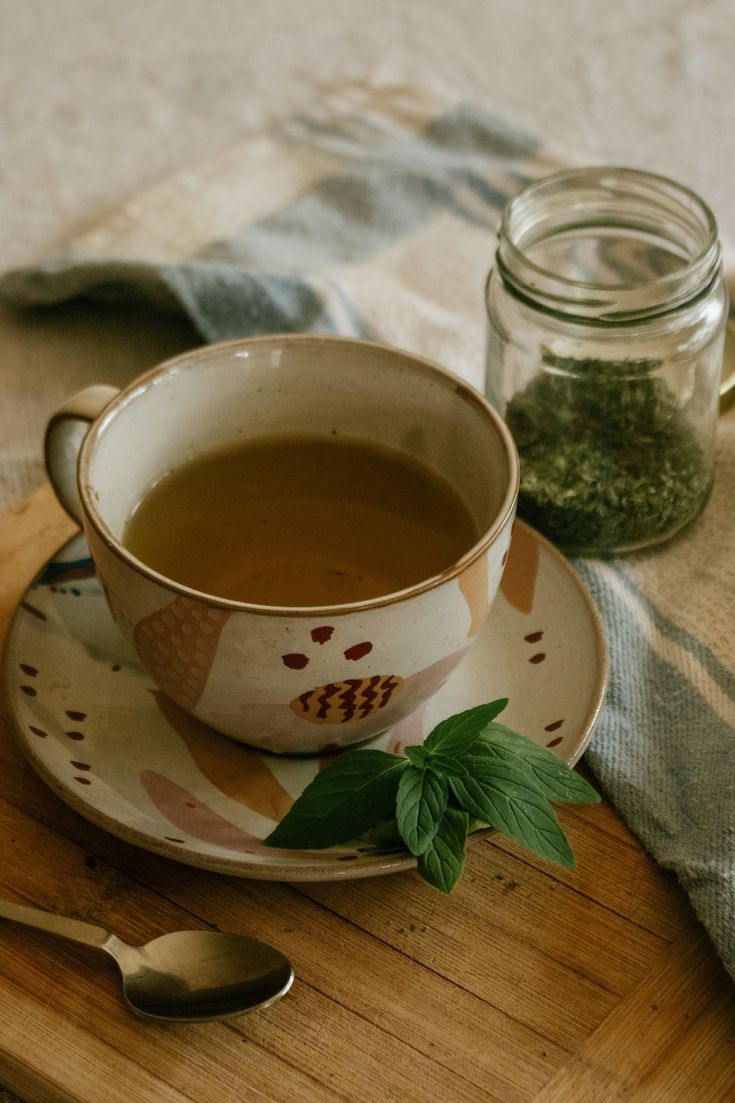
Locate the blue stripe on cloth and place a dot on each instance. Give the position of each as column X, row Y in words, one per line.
column 343, row 220
column 394, row 188
column 224, row 301
column 350, row 130
column 459, row 135
column 348, row 218
column 469, row 129
column 269, row 276
column 667, row 760
column 720, row 674
column 358, row 326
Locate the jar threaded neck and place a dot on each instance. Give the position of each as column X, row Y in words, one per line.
column 608, row 245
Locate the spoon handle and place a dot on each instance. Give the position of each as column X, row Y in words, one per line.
column 75, row 930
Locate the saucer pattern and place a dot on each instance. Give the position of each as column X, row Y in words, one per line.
column 118, row 750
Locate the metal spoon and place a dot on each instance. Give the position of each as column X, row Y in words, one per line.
column 189, row 976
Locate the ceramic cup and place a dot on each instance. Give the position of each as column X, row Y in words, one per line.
column 294, row 680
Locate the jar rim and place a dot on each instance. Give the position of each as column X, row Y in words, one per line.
column 569, row 197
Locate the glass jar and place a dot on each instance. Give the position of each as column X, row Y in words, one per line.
column 607, row 311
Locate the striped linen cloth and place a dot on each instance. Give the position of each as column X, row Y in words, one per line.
column 375, row 216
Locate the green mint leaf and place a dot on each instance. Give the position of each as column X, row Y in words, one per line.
column 384, row 838
column 356, row 792
column 508, row 798
column 417, row 756
column 555, row 779
column 442, row 862
column 457, row 733
column 446, row 764
column 420, row 805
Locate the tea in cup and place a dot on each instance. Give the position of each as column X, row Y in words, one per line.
column 300, row 536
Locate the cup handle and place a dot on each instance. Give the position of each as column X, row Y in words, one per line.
column 65, row 432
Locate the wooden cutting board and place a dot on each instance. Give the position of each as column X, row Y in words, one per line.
column 528, row 983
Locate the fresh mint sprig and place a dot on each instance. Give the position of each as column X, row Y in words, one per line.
column 470, row 769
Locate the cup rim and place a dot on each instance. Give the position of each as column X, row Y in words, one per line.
column 142, row 382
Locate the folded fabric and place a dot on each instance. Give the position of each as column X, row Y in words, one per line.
column 375, row 216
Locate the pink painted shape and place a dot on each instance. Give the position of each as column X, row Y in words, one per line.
column 408, row 732
column 185, row 811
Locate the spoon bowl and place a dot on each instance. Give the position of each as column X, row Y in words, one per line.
column 185, row 976
column 197, row 975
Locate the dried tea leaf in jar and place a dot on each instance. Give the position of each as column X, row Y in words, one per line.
column 607, row 457
column 606, row 328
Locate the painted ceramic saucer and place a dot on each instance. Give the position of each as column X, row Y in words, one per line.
column 114, row 748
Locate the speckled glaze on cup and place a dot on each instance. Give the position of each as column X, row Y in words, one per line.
column 293, row 680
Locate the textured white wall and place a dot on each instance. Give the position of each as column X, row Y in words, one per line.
column 100, row 97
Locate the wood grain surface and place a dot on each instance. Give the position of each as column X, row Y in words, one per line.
column 527, row 983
